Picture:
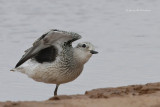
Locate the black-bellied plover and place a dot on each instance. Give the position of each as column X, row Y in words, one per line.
column 52, row 59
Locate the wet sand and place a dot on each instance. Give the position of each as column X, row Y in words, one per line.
column 147, row 95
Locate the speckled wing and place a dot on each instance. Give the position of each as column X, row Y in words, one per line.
column 51, row 38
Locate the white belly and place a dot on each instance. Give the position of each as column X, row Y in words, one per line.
column 49, row 72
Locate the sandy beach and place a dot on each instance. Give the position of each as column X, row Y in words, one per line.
column 126, row 96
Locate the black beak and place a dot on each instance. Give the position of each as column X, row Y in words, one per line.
column 93, row 52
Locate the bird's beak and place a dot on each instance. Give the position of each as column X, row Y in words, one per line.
column 93, row 52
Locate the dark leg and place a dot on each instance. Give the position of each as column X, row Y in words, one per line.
column 55, row 91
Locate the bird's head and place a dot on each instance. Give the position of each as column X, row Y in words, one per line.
column 84, row 51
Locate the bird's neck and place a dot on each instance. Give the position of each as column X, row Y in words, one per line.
column 79, row 56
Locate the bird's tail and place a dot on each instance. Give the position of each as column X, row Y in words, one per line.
column 13, row 70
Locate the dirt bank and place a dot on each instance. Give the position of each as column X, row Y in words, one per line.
column 147, row 95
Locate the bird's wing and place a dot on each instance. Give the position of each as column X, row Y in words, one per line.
column 46, row 40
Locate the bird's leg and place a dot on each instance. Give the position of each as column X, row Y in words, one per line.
column 55, row 91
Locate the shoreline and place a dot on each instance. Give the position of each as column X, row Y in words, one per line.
column 147, row 95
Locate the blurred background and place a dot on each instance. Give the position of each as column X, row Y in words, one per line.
column 125, row 32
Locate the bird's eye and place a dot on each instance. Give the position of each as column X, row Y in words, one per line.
column 84, row 45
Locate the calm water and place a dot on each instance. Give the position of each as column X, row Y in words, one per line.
column 125, row 32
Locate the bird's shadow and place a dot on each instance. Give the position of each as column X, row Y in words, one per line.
column 60, row 97
column 66, row 97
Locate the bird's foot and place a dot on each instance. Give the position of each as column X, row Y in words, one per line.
column 61, row 97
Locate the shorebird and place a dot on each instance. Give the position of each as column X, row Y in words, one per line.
column 52, row 59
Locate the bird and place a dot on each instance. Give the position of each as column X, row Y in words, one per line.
column 52, row 59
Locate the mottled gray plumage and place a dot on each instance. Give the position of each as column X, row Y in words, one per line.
column 49, row 39
column 52, row 59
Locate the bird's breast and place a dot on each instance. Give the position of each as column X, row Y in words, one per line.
column 62, row 70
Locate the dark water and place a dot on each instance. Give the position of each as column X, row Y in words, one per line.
column 126, row 34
